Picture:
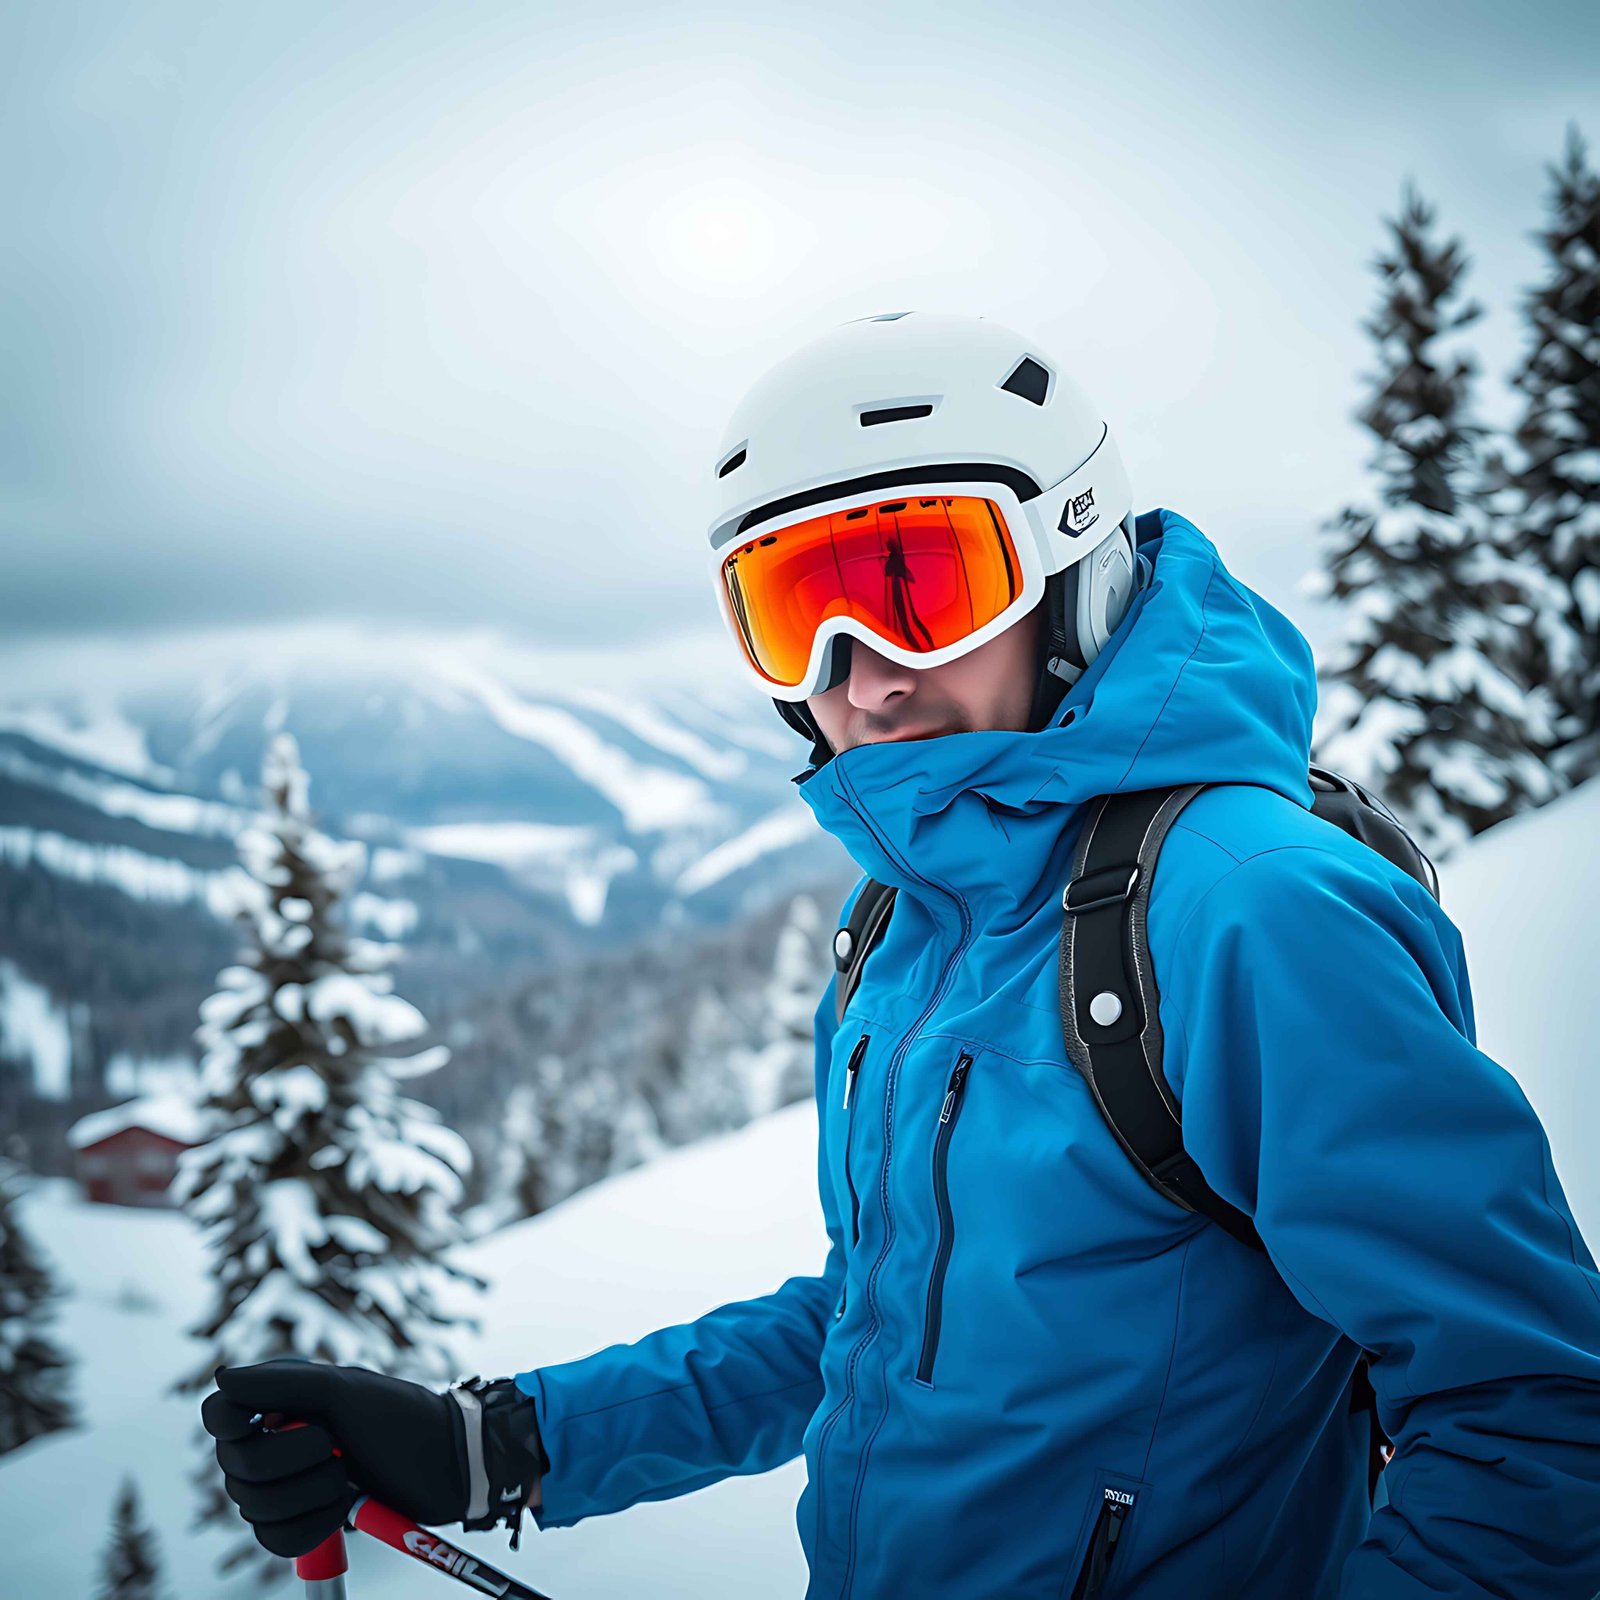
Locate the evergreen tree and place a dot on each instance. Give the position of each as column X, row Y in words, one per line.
column 712, row 1094
column 635, row 1134
column 1554, row 497
column 538, row 1140
column 33, row 1371
column 327, row 1199
column 519, row 1183
column 1424, row 705
column 784, row 1066
column 131, row 1566
column 562, row 1132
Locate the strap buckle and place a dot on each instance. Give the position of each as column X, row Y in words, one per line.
column 1107, row 887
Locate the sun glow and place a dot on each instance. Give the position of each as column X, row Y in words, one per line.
column 716, row 238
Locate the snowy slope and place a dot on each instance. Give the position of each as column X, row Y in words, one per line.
column 724, row 1219
column 35, row 1031
column 656, row 1245
column 1526, row 896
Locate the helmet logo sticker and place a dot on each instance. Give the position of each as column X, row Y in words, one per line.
column 1080, row 514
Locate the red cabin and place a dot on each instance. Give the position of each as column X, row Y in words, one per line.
column 129, row 1155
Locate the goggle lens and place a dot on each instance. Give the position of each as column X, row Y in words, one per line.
column 920, row 572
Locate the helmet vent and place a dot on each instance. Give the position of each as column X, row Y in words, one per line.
column 735, row 460
column 1029, row 380
column 870, row 419
column 882, row 316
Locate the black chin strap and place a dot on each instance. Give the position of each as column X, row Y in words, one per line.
column 1061, row 655
column 1059, row 662
column 798, row 715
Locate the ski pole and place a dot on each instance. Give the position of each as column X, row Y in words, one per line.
column 400, row 1533
column 324, row 1567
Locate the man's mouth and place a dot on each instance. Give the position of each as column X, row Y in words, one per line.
column 901, row 733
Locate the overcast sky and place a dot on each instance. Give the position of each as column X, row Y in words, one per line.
column 433, row 314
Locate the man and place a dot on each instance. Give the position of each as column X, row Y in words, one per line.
column 1023, row 1371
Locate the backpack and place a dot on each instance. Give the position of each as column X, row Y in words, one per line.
column 1105, row 956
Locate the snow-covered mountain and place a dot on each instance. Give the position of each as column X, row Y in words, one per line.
column 661, row 1244
column 613, row 805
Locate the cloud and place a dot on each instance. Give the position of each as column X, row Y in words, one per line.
column 433, row 316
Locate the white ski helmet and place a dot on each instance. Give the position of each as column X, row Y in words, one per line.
column 926, row 402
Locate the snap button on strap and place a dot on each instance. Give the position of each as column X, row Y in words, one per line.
column 1105, row 1008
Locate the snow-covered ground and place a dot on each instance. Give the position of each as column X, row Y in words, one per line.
column 1526, row 896
column 720, row 1220
column 724, row 1219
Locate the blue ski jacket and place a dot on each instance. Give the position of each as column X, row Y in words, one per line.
column 1024, row 1373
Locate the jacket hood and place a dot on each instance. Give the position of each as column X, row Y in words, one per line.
column 1202, row 682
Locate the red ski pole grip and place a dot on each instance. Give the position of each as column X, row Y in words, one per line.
column 328, row 1560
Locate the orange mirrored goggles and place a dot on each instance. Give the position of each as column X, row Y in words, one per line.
column 922, row 572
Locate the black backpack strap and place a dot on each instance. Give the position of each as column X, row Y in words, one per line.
column 1109, row 1003
column 1110, row 1008
column 854, row 942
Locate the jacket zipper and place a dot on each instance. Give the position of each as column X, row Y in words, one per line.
column 1115, row 1505
column 850, row 1071
column 859, row 1348
column 941, row 1195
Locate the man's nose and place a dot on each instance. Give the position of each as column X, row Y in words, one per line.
column 875, row 680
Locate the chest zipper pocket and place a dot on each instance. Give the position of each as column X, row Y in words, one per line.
column 948, row 1111
column 1116, row 1506
column 852, row 1067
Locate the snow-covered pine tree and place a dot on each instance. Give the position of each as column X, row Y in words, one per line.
column 131, row 1566
column 532, row 1168
column 635, row 1134
column 34, row 1373
column 1554, row 499
column 712, row 1092
column 517, row 1171
column 327, row 1199
column 784, row 1066
column 581, row 1127
column 560, row 1153
column 560, row 1132
column 1422, row 702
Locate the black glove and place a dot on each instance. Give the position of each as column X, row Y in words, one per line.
column 468, row 1455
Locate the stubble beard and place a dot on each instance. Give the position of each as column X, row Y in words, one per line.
column 889, row 735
